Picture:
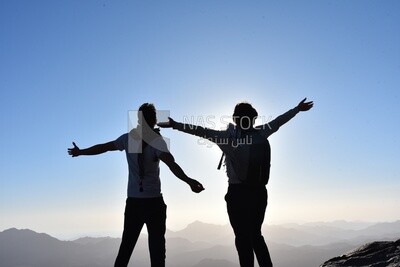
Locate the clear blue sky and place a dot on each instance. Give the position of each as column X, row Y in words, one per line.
column 71, row 70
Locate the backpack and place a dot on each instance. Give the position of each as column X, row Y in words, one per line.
column 253, row 151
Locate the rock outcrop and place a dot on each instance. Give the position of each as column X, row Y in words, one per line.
column 376, row 254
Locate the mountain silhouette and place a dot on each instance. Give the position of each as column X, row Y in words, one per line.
column 205, row 232
column 197, row 245
column 28, row 248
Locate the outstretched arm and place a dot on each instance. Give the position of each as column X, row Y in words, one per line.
column 210, row 134
column 275, row 124
column 93, row 150
column 168, row 159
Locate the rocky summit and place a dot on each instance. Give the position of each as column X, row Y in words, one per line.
column 376, row 254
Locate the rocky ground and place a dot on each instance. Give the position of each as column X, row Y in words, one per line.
column 376, row 254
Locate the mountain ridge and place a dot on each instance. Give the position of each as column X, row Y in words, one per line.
column 28, row 248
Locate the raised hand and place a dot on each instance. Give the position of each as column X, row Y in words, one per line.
column 196, row 186
column 304, row 106
column 75, row 151
column 169, row 124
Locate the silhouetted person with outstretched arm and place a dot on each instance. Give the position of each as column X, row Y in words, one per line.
column 247, row 158
column 144, row 148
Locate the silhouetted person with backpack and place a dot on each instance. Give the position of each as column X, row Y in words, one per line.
column 144, row 148
column 247, row 158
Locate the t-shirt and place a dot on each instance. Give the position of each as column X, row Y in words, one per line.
column 131, row 143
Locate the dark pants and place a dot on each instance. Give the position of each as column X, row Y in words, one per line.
column 149, row 211
column 246, row 208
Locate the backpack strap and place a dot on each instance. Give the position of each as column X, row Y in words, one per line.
column 141, row 165
column 141, row 159
column 220, row 161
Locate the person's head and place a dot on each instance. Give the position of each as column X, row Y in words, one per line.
column 244, row 115
column 147, row 111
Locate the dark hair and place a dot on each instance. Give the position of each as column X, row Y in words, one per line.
column 244, row 115
column 148, row 111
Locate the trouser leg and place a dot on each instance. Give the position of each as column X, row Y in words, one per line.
column 259, row 245
column 156, row 228
column 133, row 224
column 238, row 213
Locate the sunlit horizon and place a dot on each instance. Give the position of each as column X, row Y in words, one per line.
column 71, row 72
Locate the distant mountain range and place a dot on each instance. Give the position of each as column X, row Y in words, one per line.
column 198, row 245
column 315, row 234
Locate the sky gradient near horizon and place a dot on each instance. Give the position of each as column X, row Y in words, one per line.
column 71, row 71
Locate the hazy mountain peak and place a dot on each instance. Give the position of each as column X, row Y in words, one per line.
column 342, row 224
column 91, row 240
column 198, row 223
column 198, row 231
column 15, row 230
column 23, row 233
column 9, row 230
